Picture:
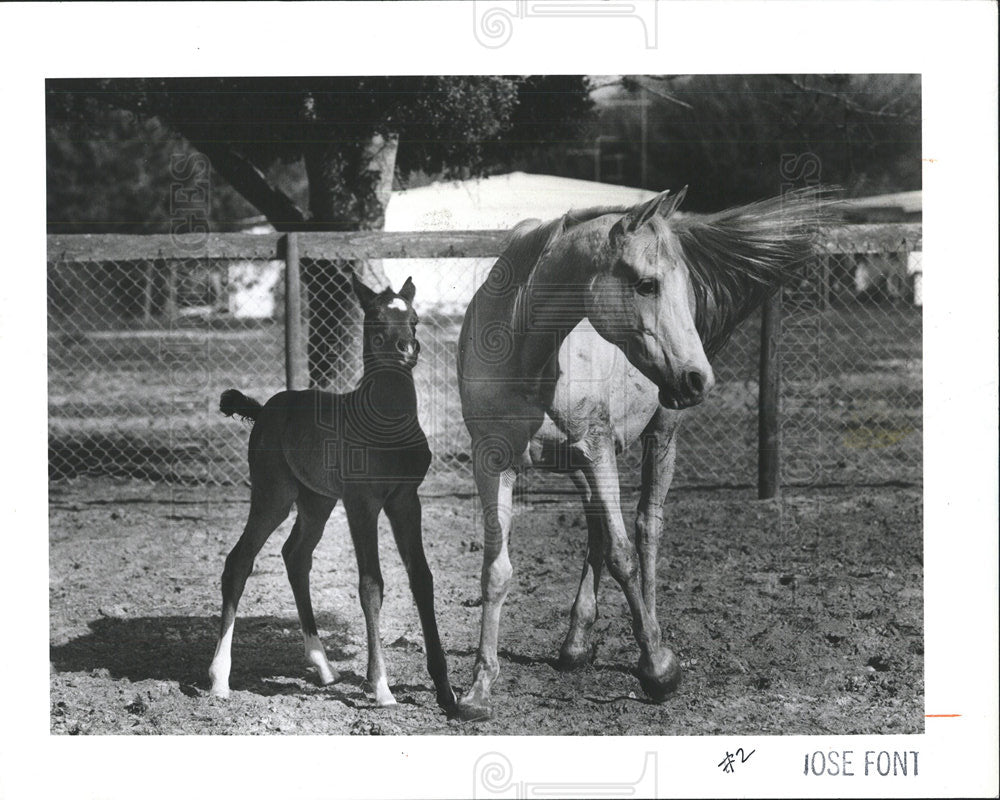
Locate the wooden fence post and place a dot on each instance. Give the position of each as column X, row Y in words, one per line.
column 170, row 305
column 148, row 276
column 296, row 366
column 768, row 433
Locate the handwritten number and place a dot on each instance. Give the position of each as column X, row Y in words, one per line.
column 728, row 763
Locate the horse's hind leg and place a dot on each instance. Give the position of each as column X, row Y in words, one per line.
column 659, row 670
column 577, row 650
column 297, row 552
column 268, row 509
column 497, row 495
column 362, row 516
column 403, row 510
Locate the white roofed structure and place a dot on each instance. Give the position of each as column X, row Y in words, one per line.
column 497, row 202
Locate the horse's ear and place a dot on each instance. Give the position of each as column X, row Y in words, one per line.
column 408, row 291
column 670, row 204
column 642, row 213
column 365, row 295
column 616, row 232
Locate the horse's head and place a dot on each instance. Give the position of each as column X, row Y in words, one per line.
column 644, row 302
column 390, row 328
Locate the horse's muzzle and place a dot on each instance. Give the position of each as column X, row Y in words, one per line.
column 409, row 351
column 694, row 386
column 670, row 400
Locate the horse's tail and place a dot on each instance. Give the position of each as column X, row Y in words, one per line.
column 234, row 402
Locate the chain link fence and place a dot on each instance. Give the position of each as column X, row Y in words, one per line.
column 138, row 353
column 851, row 397
column 139, row 350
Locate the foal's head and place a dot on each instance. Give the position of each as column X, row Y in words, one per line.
column 644, row 302
column 390, row 327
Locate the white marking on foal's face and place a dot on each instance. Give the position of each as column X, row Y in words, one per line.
column 398, row 304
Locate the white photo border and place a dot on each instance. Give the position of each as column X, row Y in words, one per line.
column 953, row 46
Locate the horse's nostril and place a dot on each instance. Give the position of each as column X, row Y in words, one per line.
column 696, row 382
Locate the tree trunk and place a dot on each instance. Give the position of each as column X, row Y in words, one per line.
column 349, row 189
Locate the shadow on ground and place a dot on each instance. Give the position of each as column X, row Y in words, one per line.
column 180, row 649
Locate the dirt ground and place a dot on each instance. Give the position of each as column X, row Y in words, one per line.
column 801, row 616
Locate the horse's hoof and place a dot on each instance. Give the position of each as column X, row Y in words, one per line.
column 384, row 698
column 571, row 660
column 471, row 712
column 660, row 679
column 381, row 692
column 222, row 692
column 326, row 680
column 448, row 701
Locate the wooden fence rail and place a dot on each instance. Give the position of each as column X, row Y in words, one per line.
column 146, row 250
column 90, row 247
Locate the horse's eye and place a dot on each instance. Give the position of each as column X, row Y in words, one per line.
column 378, row 340
column 648, row 287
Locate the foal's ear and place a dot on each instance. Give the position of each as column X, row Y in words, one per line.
column 365, row 295
column 408, row 291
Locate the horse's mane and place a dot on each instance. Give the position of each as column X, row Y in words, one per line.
column 736, row 258
column 528, row 240
column 521, row 250
column 739, row 257
column 577, row 215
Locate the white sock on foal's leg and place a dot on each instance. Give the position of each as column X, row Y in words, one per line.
column 218, row 672
column 383, row 695
column 316, row 655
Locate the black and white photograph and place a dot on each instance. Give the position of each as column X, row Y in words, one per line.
column 593, row 411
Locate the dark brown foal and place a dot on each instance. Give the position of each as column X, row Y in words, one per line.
column 366, row 448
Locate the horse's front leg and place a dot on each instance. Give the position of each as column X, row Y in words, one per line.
column 659, row 670
column 659, row 451
column 403, row 510
column 577, row 650
column 362, row 518
column 496, row 492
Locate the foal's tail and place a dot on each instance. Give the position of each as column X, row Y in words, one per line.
column 234, row 402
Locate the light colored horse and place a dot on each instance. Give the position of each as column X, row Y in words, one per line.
column 589, row 332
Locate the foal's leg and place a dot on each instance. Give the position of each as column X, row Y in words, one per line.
column 659, row 670
column 314, row 511
column 268, row 509
column 659, row 451
column 362, row 516
column 576, row 650
column 403, row 510
column 497, row 494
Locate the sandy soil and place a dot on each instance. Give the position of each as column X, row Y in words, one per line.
column 804, row 616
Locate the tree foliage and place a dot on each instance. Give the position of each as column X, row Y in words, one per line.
column 110, row 141
column 446, row 125
column 111, row 173
column 725, row 135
